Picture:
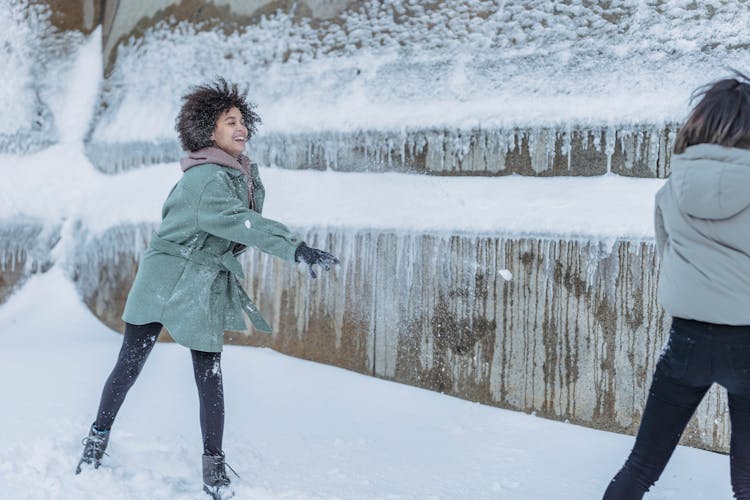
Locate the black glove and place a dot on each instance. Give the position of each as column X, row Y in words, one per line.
column 312, row 256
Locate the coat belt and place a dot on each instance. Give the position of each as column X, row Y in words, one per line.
column 225, row 262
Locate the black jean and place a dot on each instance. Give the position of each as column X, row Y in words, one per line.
column 697, row 355
column 137, row 343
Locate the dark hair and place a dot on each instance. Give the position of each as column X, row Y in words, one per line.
column 201, row 108
column 721, row 117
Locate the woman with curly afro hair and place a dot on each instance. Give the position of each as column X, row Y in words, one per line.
column 188, row 278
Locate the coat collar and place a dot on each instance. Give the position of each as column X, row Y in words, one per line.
column 216, row 156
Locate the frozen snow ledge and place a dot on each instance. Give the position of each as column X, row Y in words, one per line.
column 30, row 140
column 567, row 328
column 636, row 151
column 25, row 248
column 114, row 157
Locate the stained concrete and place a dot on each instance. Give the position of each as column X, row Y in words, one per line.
column 574, row 335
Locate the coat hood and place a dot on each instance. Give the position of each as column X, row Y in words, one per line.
column 711, row 181
column 215, row 156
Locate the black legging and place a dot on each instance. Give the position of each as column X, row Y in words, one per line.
column 136, row 346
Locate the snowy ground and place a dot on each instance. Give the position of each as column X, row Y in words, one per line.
column 295, row 429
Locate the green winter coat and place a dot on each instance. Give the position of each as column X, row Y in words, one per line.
column 188, row 278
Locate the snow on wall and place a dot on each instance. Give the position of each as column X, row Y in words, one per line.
column 458, row 64
column 17, row 39
column 33, row 56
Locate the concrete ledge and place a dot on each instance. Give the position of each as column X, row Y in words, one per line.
column 638, row 151
column 574, row 335
column 30, row 140
column 111, row 158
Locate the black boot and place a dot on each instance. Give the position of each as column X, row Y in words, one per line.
column 215, row 479
column 93, row 448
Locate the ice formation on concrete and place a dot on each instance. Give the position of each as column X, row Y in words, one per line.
column 33, row 55
column 456, row 65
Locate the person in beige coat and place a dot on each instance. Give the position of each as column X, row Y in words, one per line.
column 702, row 227
column 189, row 277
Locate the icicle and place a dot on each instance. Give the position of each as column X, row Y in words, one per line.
column 611, row 136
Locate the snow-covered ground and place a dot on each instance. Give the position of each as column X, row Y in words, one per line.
column 295, row 430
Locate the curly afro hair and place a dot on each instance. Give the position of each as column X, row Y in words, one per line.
column 201, row 108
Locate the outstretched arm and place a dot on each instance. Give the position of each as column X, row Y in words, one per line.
column 221, row 213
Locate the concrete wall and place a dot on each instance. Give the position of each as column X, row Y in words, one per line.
column 573, row 336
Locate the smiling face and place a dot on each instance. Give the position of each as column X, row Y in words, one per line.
column 230, row 133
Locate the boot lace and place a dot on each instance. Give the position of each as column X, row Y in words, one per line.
column 93, row 447
column 233, row 471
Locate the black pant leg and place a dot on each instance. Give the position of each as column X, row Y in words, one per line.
column 668, row 409
column 207, row 370
column 137, row 343
column 739, row 447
